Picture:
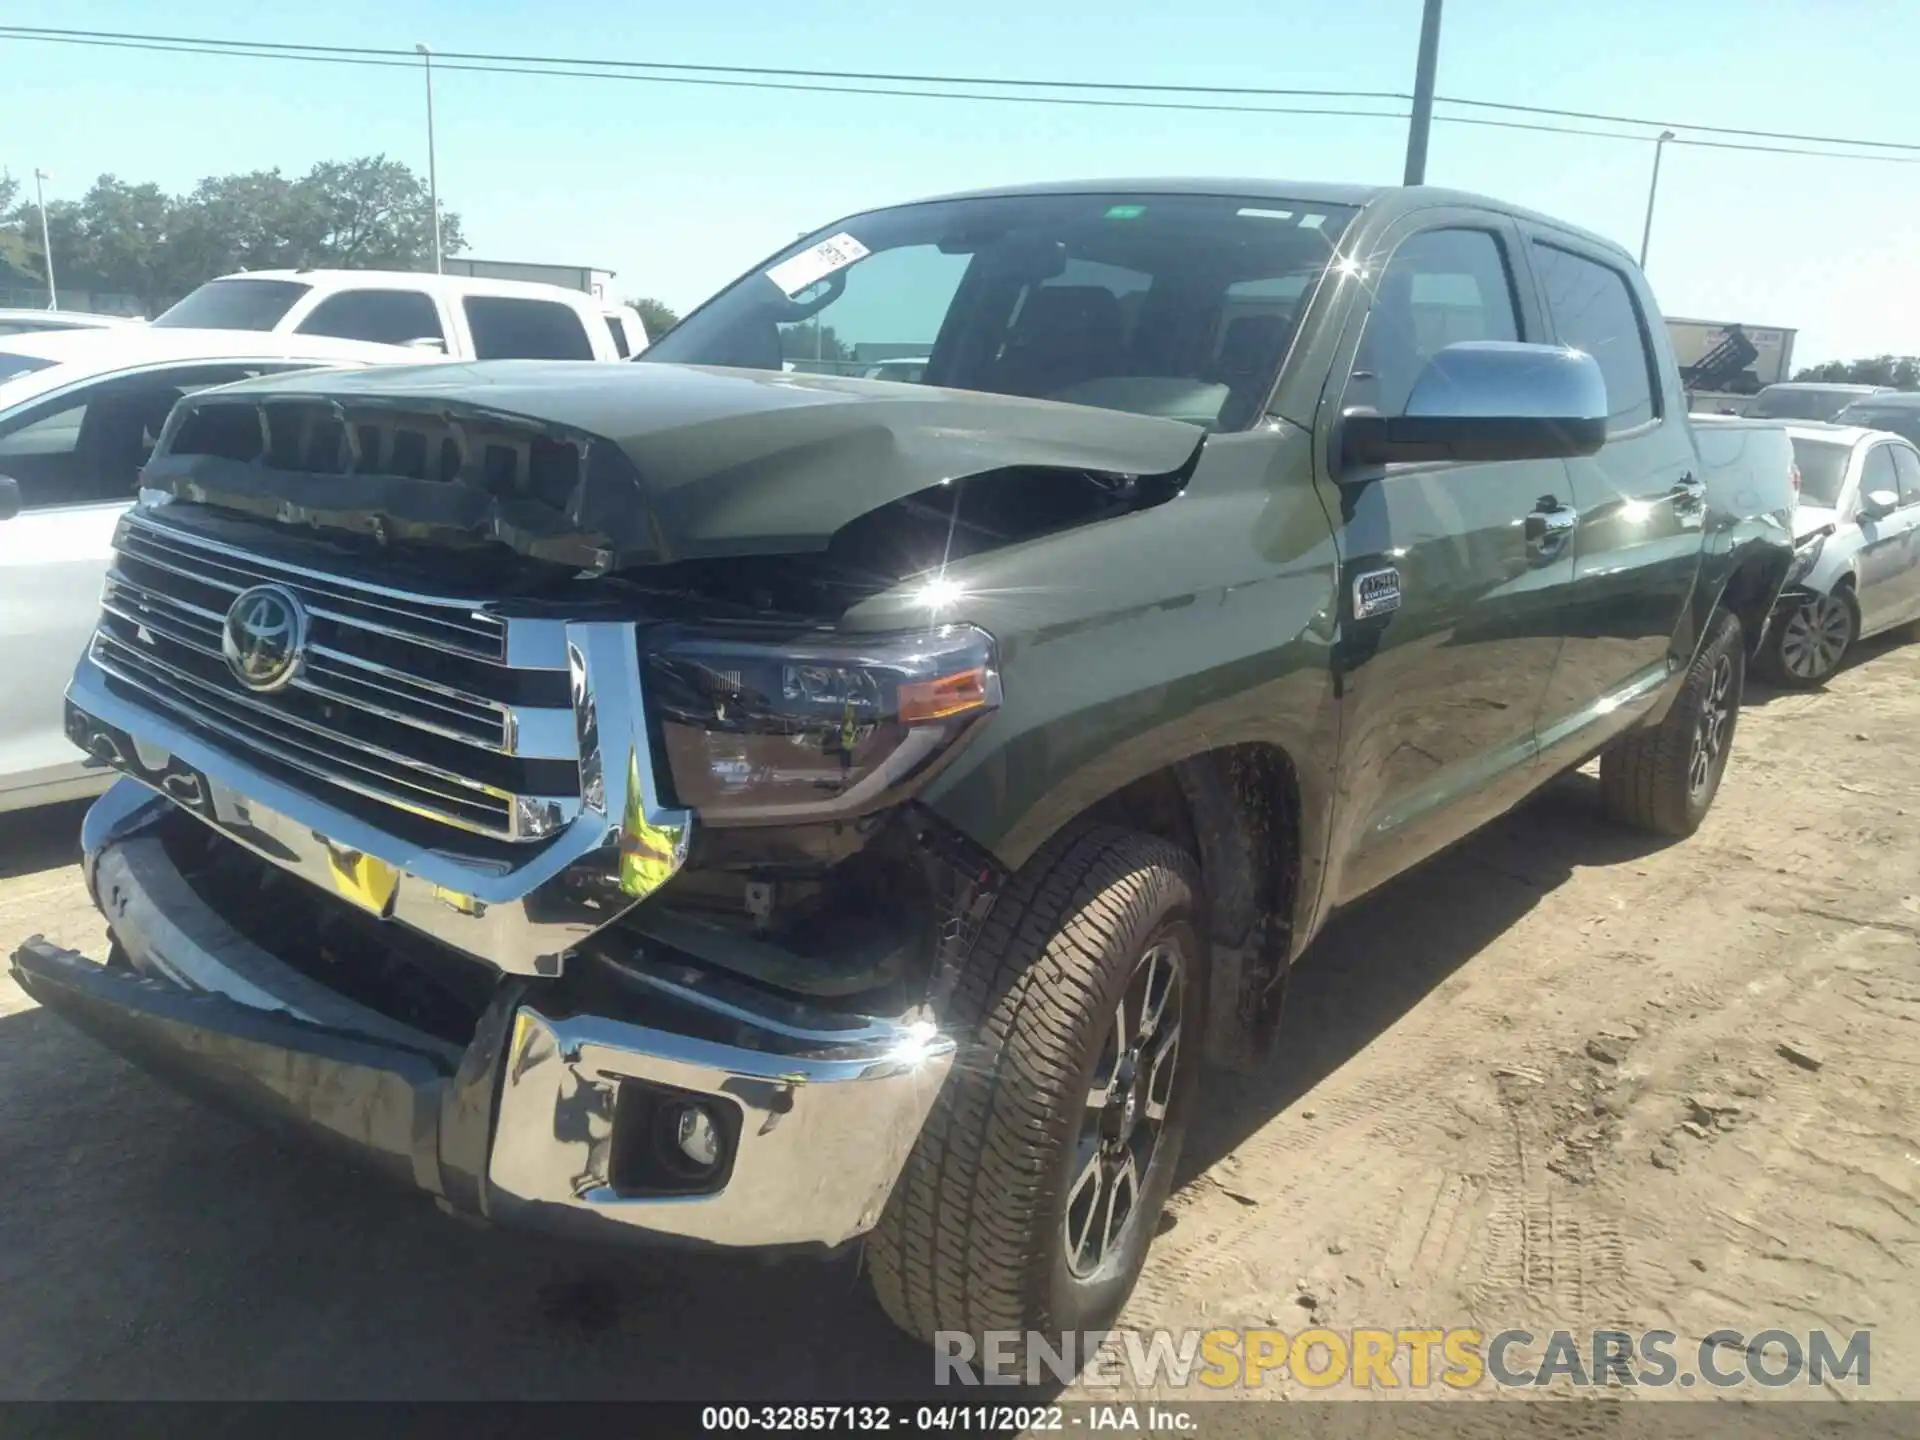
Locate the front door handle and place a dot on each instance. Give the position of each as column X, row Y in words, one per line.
column 1549, row 528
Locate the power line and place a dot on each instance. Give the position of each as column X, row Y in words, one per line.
column 169, row 47
column 651, row 72
column 889, row 77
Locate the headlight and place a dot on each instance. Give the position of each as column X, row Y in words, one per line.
column 764, row 729
column 1805, row 556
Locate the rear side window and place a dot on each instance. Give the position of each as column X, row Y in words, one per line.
column 508, row 328
column 1592, row 308
column 619, row 329
column 387, row 317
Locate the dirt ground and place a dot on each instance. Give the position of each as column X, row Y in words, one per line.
column 1562, row 1077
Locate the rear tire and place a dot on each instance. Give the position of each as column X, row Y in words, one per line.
column 1663, row 779
column 1026, row 1206
column 1808, row 643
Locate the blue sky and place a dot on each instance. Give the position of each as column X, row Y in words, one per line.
column 680, row 187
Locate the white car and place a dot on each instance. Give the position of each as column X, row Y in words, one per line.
column 23, row 322
column 79, row 412
column 1857, row 568
column 467, row 317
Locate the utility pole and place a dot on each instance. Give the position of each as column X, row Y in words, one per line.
column 1422, row 118
column 46, row 238
column 433, row 161
column 1653, row 189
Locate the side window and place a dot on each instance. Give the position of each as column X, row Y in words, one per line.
column 387, row 317
column 509, row 328
column 1878, row 472
column 1592, row 308
column 1441, row 286
column 1906, row 465
column 86, row 448
column 619, row 329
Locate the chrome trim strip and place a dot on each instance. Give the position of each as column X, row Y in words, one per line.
column 520, row 913
column 470, row 614
column 528, row 732
column 216, row 710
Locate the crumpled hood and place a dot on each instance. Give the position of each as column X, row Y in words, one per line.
column 721, row 462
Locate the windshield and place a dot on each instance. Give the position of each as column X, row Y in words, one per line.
column 1175, row 305
column 1901, row 420
column 14, row 366
column 1823, row 466
column 235, row 305
column 1779, row 404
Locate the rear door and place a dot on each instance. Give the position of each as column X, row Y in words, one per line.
column 1453, row 575
column 77, row 456
column 1906, row 465
column 1640, row 500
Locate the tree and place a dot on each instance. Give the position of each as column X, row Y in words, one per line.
column 369, row 214
column 121, row 238
column 1900, row 371
column 656, row 316
column 809, row 340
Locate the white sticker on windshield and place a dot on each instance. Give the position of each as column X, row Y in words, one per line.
column 815, row 263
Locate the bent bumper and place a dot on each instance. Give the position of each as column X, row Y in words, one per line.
column 526, row 1124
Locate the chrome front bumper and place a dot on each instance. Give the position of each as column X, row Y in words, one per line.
column 521, row 1126
column 520, row 915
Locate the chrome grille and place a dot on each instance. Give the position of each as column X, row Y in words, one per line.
column 403, row 701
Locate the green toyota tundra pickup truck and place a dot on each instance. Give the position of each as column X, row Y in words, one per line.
column 718, row 801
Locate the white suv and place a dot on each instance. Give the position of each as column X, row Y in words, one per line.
column 463, row 316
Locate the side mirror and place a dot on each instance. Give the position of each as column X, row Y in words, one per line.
column 1876, row 504
column 1488, row 400
column 428, row 342
column 9, row 497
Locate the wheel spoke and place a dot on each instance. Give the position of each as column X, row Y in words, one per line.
column 1102, row 1093
column 1123, row 1192
column 1086, row 1213
column 1161, row 977
column 1160, row 1072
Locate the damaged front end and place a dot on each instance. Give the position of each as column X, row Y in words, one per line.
column 523, row 783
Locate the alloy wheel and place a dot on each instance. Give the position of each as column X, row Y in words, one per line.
column 1710, row 731
column 1815, row 637
column 1126, row 1114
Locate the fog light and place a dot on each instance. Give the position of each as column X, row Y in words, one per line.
column 698, row 1136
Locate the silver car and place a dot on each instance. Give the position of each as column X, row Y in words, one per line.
column 1857, row 568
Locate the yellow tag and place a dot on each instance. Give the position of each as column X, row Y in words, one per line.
column 368, row 882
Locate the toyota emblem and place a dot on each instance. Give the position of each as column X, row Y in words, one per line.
column 264, row 637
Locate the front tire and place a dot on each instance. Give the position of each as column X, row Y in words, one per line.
column 1663, row 779
column 1811, row 640
column 1036, row 1186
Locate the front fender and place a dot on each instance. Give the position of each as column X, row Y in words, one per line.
column 1130, row 645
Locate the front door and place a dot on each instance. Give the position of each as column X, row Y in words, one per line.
column 1453, row 575
column 1886, row 558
